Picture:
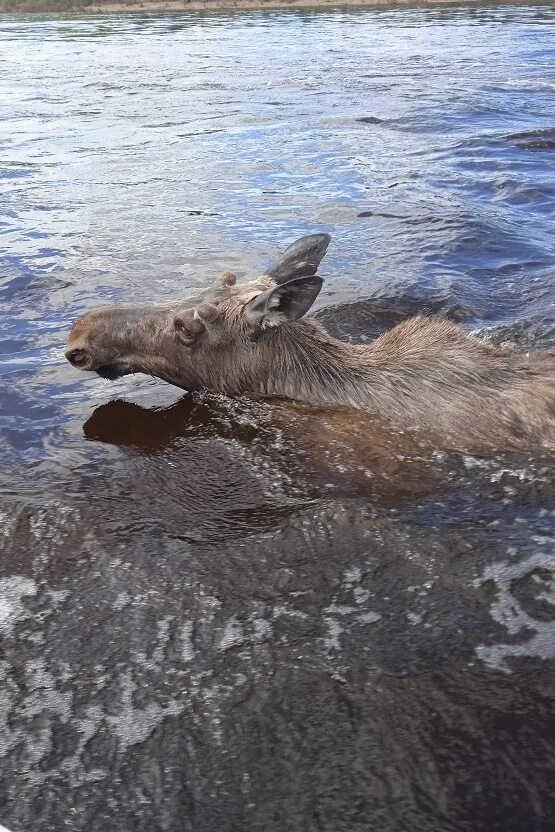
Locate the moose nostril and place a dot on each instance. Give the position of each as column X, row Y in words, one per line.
column 77, row 357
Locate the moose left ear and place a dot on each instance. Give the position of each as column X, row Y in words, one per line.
column 301, row 258
column 286, row 302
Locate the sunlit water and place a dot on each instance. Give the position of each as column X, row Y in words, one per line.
column 212, row 617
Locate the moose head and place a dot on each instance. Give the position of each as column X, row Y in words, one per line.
column 227, row 338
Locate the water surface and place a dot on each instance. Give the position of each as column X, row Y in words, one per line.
column 212, row 616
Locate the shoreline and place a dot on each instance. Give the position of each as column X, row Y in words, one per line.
column 177, row 6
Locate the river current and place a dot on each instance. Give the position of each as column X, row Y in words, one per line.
column 201, row 628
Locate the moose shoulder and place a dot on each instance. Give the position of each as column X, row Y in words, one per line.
column 425, row 374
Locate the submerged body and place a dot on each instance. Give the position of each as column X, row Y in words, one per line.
column 426, row 374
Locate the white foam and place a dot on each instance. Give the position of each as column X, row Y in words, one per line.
column 232, row 635
column 12, row 591
column 509, row 613
column 186, row 637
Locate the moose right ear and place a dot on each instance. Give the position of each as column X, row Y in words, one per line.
column 284, row 303
column 301, row 258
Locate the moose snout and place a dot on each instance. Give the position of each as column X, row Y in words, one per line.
column 78, row 358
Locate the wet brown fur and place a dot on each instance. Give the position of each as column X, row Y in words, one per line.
column 425, row 374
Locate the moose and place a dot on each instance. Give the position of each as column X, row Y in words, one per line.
column 425, row 375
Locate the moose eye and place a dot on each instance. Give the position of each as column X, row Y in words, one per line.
column 184, row 333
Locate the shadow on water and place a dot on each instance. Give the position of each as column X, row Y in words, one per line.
column 222, row 614
column 239, row 456
column 151, row 430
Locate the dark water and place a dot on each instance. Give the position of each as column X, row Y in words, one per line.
column 203, row 625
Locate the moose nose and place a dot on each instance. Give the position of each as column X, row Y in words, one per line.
column 79, row 358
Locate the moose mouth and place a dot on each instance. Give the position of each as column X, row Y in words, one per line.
column 110, row 371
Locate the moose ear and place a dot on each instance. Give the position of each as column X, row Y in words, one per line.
column 301, row 258
column 286, row 302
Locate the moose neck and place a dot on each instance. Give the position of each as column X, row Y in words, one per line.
column 302, row 361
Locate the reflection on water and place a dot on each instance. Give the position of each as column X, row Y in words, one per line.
column 221, row 614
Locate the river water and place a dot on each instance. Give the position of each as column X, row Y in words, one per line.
column 200, row 627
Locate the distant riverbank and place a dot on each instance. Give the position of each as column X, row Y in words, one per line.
column 100, row 7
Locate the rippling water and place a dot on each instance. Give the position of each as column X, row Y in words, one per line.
column 202, row 627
